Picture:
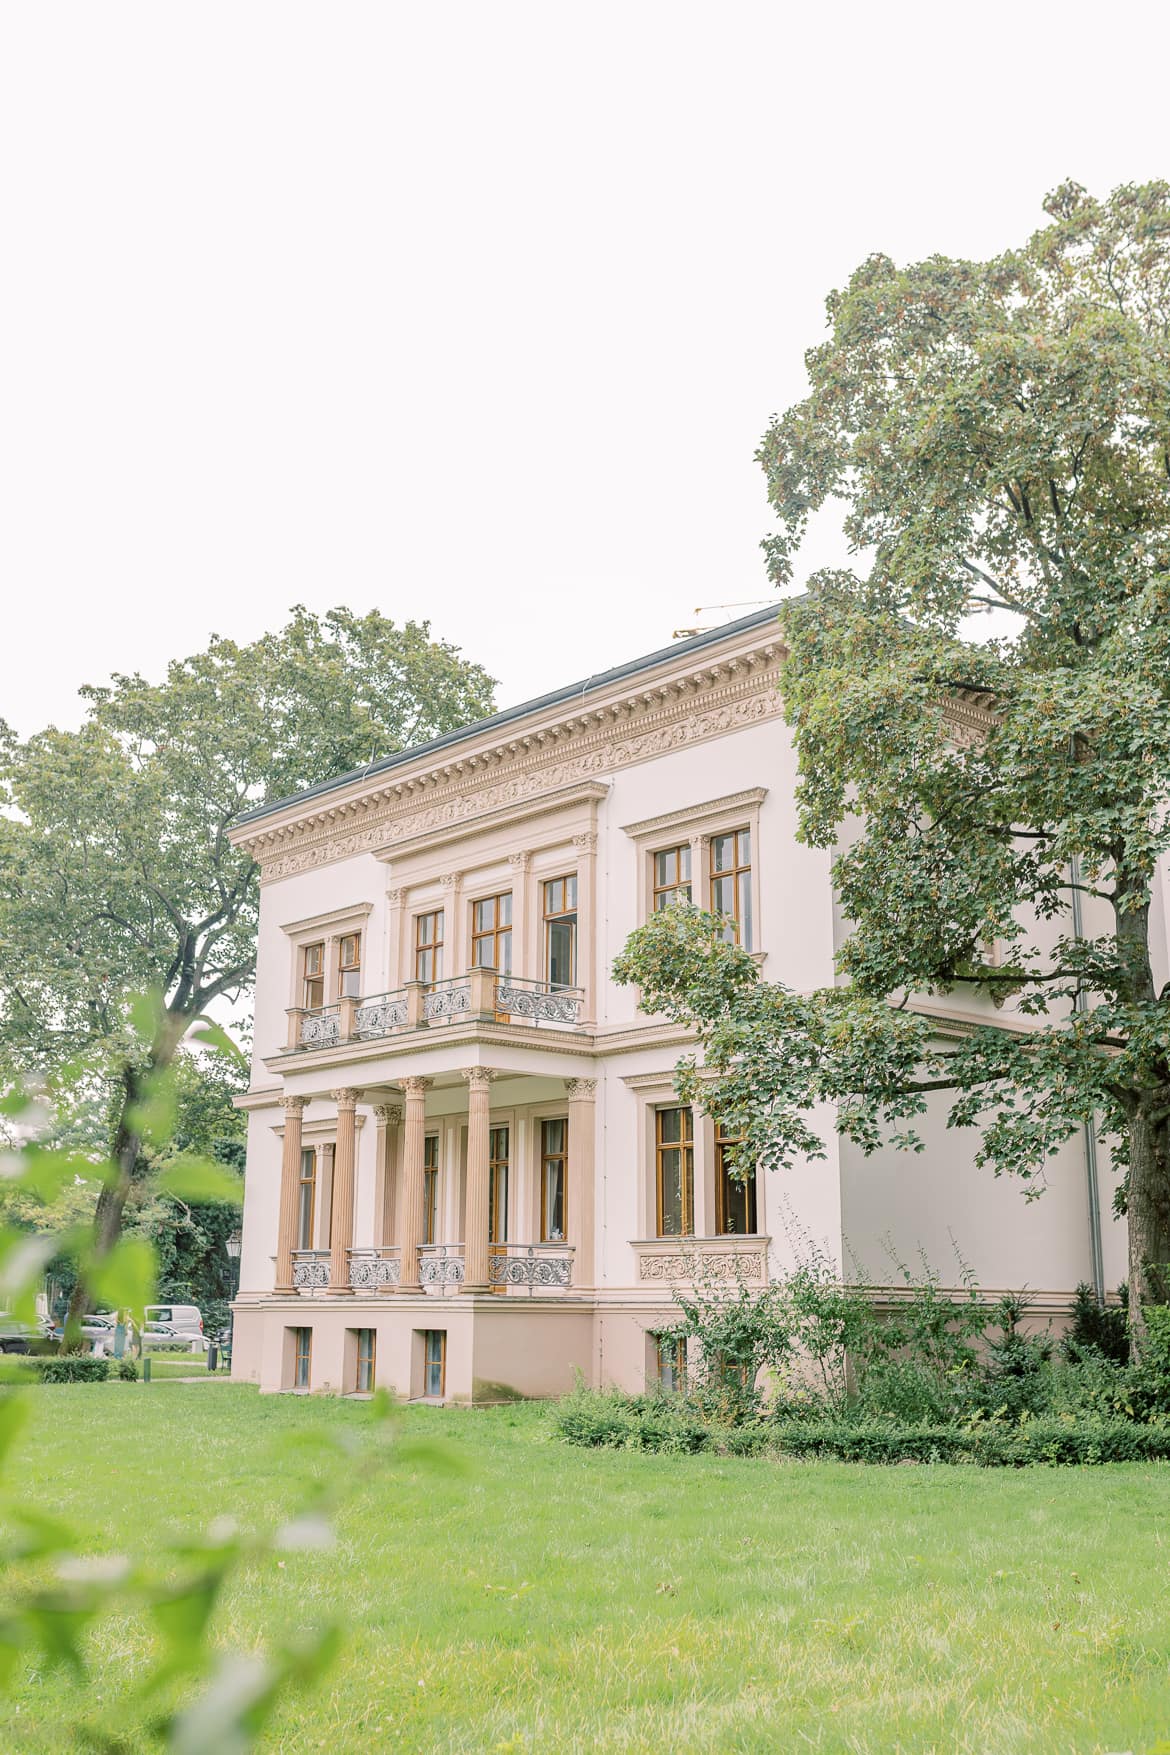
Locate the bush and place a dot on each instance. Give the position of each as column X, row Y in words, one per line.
column 1097, row 1331
column 664, row 1425
column 73, row 1368
column 127, row 1371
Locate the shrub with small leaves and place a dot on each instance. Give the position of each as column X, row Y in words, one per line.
column 73, row 1368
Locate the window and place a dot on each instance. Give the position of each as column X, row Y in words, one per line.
column 731, row 883
column 491, row 933
column 307, row 1201
column 349, row 966
column 364, row 1379
column 735, row 1201
column 428, row 947
column 672, row 876
column 560, row 932
column 675, row 1172
column 430, row 1187
column 498, row 1185
column 313, row 976
column 302, row 1356
column 554, row 1145
column 671, row 1360
column 435, row 1361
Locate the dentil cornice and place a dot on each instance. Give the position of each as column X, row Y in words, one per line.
column 689, row 706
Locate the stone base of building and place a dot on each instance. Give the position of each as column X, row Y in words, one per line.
column 493, row 1349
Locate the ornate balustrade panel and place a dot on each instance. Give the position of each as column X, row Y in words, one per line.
column 736, row 1259
column 371, row 1269
column 310, row 1269
column 538, row 1002
column 440, row 1267
column 321, row 1028
column 447, row 1000
column 541, row 1267
column 380, row 1014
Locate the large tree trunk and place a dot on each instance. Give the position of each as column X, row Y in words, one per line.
column 1149, row 1208
column 126, row 1157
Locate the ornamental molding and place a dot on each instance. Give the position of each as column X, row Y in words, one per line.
column 694, row 814
column 581, row 1090
column 337, row 917
column 692, row 707
column 726, row 1263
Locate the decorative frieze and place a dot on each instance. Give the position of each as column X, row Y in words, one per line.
column 664, row 1261
column 711, row 703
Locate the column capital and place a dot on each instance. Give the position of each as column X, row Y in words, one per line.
column 293, row 1104
column 394, row 897
column 451, row 880
column 478, row 1076
column 416, row 1087
column 521, row 859
column 580, row 1090
column 587, row 843
column 389, row 1114
column 346, row 1098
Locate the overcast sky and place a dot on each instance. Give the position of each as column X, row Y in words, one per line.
column 473, row 312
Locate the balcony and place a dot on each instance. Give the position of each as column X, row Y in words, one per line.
column 375, row 1270
column 537, row 1267
column 440, row 1268
column 311, row 1270
column 481, row 994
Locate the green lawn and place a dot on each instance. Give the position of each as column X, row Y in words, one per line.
column 556, row 1599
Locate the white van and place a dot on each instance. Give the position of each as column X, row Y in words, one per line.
column 168, row 1323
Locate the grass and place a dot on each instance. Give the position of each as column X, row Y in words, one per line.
column 558, row 1599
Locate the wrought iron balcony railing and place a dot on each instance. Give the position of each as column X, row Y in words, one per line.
column 374, row 1269
column 480, row 994
column 537, row 1002
column 541, row 1267
column 310, row 1269
column 380, row 1014
column 321, row 1027
column 440, row 1267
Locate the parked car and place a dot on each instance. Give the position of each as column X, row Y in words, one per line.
column 167, row 1324
column 94, row 1328
column 15, row 1337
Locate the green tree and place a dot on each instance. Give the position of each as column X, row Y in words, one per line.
column 116, row 872
column 998, row 436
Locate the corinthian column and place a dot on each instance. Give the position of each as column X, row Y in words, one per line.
column 290, row 1176
column 410, row 1205
column 341, row 1227
column 475, row 1230
column 582, row 1134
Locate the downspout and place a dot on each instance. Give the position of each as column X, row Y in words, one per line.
column 1089, row 1130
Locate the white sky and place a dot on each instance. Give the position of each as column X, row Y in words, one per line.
column 469, row 312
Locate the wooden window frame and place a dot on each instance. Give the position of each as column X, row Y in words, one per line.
column 495, row 932
column 310, row 1182
column 724, row 1142
column 546, row 1158
column 684, row 1144
column 672, row 1354
column 431, row 1189
column 551, row 916
column 741, row 869
column 433, row 945
column 359, row 1387
column 318, row 978
column 442, row 1362
column 304, row 1352
column 671, row 891
column 349, row 968
column 495, row 1164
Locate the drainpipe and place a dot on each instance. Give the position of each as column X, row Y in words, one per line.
column 1089, row 1130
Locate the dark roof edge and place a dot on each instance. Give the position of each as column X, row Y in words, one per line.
column 709, row 637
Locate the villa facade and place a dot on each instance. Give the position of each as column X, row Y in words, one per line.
column 468, row 1175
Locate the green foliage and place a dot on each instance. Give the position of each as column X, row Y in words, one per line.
column 996, row 434
column 127, row 1370
column 73, row 1368
column 1097, row 1329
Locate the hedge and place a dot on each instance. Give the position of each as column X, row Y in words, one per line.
column 73, row 1368
column 656, row 1424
